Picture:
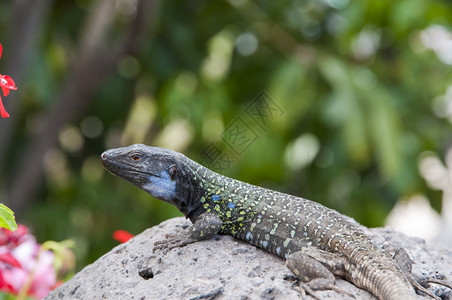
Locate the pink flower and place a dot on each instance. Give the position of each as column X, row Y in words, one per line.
column 13, row 238
column 5, row 286
column 21, row 257
column 9, row 259
column 6, row 84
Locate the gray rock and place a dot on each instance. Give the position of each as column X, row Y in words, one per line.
column 221, row 268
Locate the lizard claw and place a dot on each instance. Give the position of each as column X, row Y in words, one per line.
column 340, row 291
column 438, row 281
column 169, row 236
column 304, row 290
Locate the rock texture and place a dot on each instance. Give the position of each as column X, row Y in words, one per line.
column 221, row 268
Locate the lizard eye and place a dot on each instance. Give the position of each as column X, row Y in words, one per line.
column 172, row 172
column 136, row 157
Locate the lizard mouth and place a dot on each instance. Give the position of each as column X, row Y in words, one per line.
column 110, row 164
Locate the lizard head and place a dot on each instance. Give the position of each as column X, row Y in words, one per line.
column 157, row 171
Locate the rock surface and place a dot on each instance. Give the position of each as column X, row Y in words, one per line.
column 221, row 268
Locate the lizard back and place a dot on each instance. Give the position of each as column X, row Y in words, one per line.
column 283, row 224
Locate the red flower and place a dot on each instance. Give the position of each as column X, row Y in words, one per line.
column 6, row 83
column 122, row 236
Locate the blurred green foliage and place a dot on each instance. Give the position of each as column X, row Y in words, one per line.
column 357, row 82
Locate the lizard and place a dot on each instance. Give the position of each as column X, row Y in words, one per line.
column 318, row 243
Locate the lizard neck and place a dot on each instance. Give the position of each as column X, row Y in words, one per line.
column 196, row 183
column 232, row 200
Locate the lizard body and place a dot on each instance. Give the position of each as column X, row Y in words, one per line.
column 307, row 234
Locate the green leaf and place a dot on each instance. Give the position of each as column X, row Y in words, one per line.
column 7, row 296
column 7, row 218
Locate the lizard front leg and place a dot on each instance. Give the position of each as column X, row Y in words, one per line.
column 205, row 227
column 316, row 269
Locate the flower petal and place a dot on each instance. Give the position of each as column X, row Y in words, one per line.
column 3, row 112
column 5, row 286
column 10, row 83
column 5, row 90
column 122, row 236
column 9, row 259
column 6, row 82
column 1, row 49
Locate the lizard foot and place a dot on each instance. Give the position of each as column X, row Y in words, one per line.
column 421, row 285
column 304, row 290
column 309, row 289
column 173, row 241
column 204, row 228
column 403, row 260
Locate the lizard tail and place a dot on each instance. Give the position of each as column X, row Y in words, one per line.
column 382, row 277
